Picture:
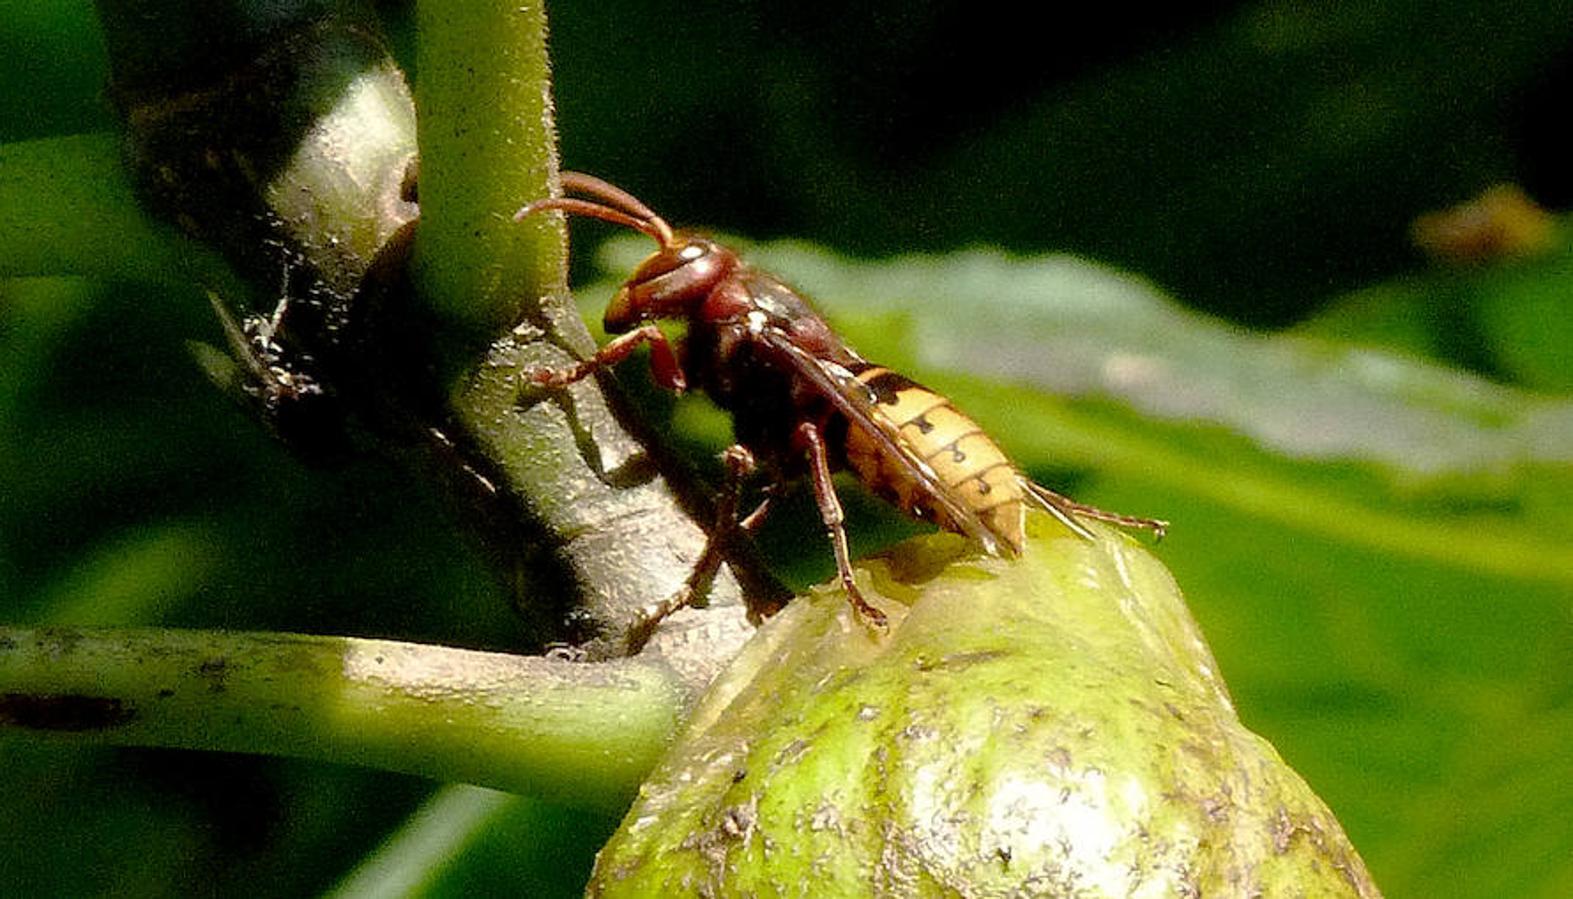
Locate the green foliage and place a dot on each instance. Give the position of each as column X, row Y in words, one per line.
column 1373, row 542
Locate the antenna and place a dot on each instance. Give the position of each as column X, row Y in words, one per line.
column 610, row 204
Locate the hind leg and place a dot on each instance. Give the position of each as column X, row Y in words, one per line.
column 812, row 443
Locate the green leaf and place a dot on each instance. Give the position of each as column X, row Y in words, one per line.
column 1514, row 318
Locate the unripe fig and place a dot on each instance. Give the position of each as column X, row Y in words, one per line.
column 1048, row 726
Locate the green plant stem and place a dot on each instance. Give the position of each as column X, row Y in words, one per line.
column 571, row 733
column 487, row 147
column 67, row 208
column 412, row 858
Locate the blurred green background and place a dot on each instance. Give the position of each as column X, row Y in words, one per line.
column 1365, row 451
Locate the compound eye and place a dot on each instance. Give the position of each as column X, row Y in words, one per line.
column 670, row 259
column 659, row 263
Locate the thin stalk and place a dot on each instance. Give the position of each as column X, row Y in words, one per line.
column 582, row 735
column 412, row 859
column 488, row 145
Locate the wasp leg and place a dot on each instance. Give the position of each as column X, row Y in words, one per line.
column 1062, row 507
column 813, row 444
column 663, row 361
column 750, row 522
column 739, row 465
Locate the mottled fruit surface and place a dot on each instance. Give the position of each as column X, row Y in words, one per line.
column 1047, row 726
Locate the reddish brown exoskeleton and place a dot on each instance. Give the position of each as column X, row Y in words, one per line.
column 802, row 402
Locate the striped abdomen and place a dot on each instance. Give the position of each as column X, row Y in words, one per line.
column 972, row 470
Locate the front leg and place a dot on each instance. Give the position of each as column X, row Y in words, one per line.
column 663, row 361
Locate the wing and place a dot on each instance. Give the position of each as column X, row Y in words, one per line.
column 839, row 385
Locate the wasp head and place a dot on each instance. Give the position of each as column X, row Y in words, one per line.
column 671, row 283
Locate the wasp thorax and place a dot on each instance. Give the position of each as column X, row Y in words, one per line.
column 670, row 283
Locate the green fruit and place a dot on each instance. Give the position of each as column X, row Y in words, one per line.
column 1049, row 726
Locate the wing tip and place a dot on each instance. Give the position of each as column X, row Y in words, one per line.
column 1066, row 509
